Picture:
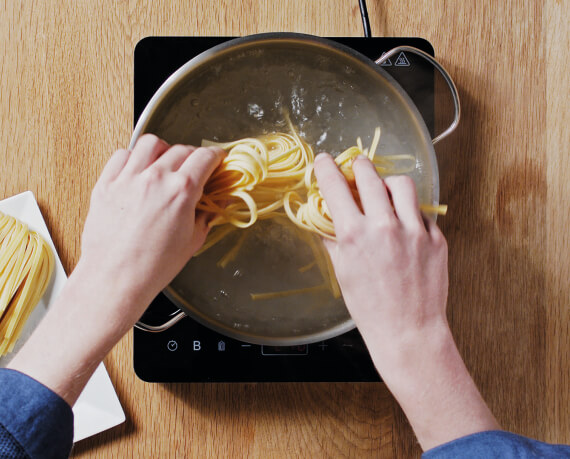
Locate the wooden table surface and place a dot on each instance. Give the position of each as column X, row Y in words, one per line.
column 66, row 101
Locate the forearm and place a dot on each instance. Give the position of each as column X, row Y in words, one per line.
column 77, row 332
column 427, row 376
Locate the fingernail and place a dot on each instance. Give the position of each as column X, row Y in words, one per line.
column 320, row 156
column 218, row 150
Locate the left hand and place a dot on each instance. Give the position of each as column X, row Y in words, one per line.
column 142, row 226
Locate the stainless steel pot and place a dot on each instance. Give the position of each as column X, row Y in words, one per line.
column 333, row 95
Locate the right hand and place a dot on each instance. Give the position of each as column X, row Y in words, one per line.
column 391, row 263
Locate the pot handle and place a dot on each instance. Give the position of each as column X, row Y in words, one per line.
column 175, row 317
column 447, row 78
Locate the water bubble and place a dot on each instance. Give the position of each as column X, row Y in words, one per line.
column 297, row 101
column 255, row 110
column 322, row 138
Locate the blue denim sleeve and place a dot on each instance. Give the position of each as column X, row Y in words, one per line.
column 497, row 444
column 35, row 422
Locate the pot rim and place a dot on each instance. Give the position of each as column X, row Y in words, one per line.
column 244, row 336
column 233, row 44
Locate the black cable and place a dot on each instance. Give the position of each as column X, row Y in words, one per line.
column 365, row 21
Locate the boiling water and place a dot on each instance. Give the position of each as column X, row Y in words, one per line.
column 268, row 261
column 236, row 95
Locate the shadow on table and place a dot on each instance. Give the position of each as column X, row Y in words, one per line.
column 494, row 227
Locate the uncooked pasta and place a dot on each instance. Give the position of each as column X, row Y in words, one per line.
column 26, row 265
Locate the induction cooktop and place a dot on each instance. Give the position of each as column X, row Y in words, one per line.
column 190, row 352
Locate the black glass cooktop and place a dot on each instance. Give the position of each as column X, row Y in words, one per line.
column 190, row 352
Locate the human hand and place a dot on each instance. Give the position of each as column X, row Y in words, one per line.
column 391, row 265
column 142, row 226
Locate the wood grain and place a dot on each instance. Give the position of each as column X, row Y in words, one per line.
column 557, row 266
column 66, row 71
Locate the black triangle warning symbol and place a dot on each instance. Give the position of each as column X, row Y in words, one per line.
column 402, row 60
column 386, row 63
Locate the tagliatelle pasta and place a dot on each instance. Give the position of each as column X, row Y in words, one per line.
column 254, row 178
column 271, row 176
column 26, row 266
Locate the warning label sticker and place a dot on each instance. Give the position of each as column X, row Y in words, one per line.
column 386, row 63
column 402, row 60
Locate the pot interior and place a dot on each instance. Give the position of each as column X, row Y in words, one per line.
column 241, row 89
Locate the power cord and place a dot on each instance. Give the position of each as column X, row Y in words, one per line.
column 365, row 21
